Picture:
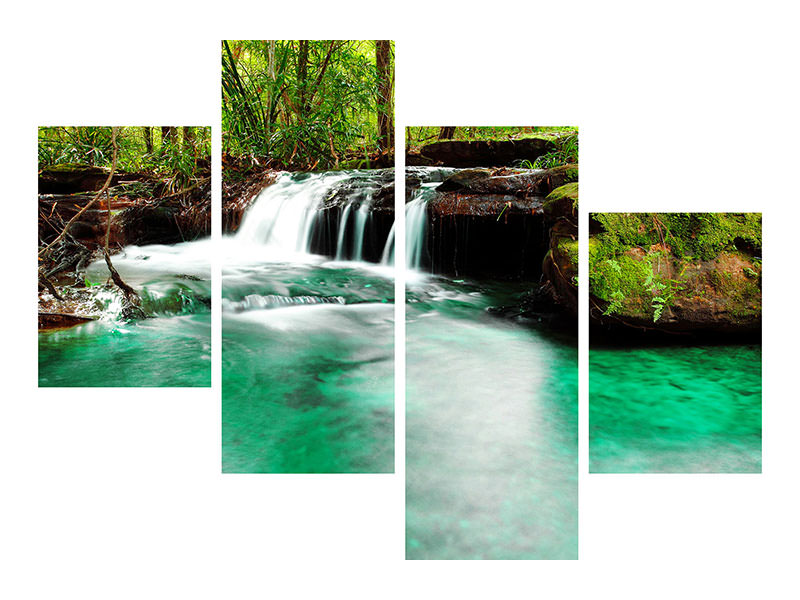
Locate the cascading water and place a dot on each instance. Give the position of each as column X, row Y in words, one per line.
column 308, row 330
column 282, row 216
column 171, row 347
column 416, row 230
column 416, row 213
column 491, row 454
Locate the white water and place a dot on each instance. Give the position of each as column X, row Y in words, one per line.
column 283, row 214
column 362, row 219
column 342, row 230
column 282, row 218
column 416, row 229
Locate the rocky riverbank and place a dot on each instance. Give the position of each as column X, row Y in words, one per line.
column 676, row 273
column 143, row 210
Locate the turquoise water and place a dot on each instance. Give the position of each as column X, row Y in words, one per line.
column 170, row 348
column 307, row 342
column 167, row 351
column 491, row 429
column 675, row 409
column 307, row 369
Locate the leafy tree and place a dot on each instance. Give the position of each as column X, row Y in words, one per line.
column 307, row 103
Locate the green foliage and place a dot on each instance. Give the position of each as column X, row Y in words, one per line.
column 311, row 103
column 562, row 199
column 627, row 258
column 566, row 152
column 569, row 248
column 689, row 235
column 179, row 160
column 624, row 281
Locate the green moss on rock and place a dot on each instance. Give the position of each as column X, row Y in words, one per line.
column 562, row 201
column 692, row 235
column 569, row 248
column 684, row 268
column 76, row 168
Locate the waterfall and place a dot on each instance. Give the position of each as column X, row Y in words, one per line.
column 416, row 229
column 283, row 214
column 362, row 220
column 355, row 225
column 328, row 214
column 342, row 230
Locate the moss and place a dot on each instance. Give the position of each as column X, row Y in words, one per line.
column 76, row 168
column 709, row 256
column 569, row 248
column 697, row 235
column 624, row 282
column 562, row 201
column 569, row 172
column 742, row 290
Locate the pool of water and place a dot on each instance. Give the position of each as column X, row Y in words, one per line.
column 167, row 351
column 308, row 367
column 675, row 409
column 172, row 347
column 491, row 428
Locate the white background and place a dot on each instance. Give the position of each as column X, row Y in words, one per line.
column 118, row 493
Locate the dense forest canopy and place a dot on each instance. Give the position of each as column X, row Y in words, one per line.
column 308, row 103
column 179, row 154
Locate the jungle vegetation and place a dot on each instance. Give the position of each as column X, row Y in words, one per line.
column 308, row 104
column 179, row 156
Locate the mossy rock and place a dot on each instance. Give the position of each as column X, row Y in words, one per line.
column 677, row 271
column 564, row 174
column 70, row 178
column 562, row 201
column 76, row 168
column 560, row 266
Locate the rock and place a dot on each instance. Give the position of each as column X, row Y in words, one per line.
column 71, row 178
column 414, row 159
column 50, row 321
column 677, row 272
column 377, row 186
column 562, row 202
column 521, row 182
column 496, row 206
column 486, row 153
column 560, row 265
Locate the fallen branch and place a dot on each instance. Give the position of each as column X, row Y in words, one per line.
column 130, row 293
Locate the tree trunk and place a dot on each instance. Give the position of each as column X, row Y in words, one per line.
column 148, row 139
column 383, row 66
column 270, row 84
column 302, row 77
column 188, row 139
column 447, row 133
column 168, row 135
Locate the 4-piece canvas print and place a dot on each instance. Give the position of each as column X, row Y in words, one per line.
column 486, row 237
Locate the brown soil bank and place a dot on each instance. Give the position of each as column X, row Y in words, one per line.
column 676, row 272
